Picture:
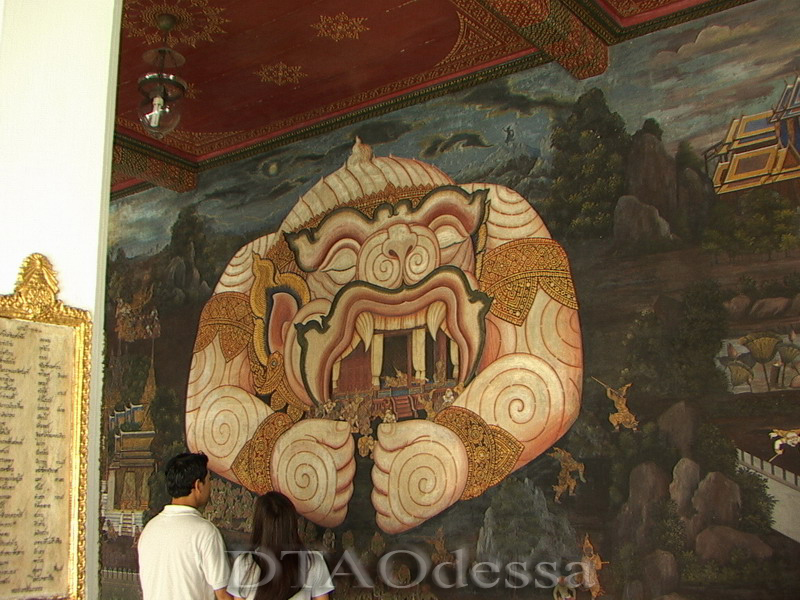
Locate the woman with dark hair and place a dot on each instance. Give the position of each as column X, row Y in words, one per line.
column 278, row 566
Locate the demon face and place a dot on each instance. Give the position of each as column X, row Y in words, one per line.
column 435, row 324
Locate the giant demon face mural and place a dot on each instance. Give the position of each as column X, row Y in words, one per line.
column 435, row 324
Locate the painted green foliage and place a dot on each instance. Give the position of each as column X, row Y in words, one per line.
column 674, row 354
column 588, row 169
column 759, row 221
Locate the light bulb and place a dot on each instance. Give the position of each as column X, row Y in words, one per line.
column 154, row 116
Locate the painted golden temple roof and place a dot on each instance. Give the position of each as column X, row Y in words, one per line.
column 761, row 149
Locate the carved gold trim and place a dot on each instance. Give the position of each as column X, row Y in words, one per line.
column 492, row 452
column 252, row 465
column 35, row 300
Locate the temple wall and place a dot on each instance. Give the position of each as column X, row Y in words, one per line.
column 514, row 320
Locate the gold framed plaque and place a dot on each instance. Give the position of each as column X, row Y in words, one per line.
column 44, row 397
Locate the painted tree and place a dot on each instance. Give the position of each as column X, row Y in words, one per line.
column 652, row 127
column 687, row 157
column 590, row 148
column 759, row 221
column 676, row 356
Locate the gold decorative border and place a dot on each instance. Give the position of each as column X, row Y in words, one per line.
column 603, row 24
column 35, row 299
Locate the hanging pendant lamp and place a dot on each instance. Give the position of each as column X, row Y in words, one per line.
column 160, row 111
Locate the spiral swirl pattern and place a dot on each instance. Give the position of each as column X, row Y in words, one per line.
column 307, row 475
column 521, row 393
column 227, row 418
column 511, row 216
column 415, row 478
column 206, row 371
column 238, row 275
column 558, row 329
column 378, row 267
column 421, row 260
column 399, row 255
column 316, row 470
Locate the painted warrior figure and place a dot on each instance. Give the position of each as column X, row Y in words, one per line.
column 619, row 397
column 784, row 438
column 566, row 482
column 591, row 563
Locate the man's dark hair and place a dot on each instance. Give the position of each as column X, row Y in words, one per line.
column 183, row 470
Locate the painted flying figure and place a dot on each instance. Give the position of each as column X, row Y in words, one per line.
column 387, row 283
column 783, row 438
column 623, row 416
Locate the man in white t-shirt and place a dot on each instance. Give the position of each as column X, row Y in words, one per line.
column 181, row 554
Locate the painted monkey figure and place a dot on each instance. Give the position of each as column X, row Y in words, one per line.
column 566, row 482
column 440, row 553
column 623, row 416
column 784, row 438
column 382, row 253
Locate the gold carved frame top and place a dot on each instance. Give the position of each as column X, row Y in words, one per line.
column 35, row 300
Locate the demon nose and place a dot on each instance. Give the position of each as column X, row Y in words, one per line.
column 399, row 255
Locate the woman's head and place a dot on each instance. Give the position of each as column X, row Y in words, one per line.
column 275, row 523
column 275, row 531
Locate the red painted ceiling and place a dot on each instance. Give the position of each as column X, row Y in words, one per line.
column 265, row 73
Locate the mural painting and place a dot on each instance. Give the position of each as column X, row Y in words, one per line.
column 433, row 326
column 540, row 321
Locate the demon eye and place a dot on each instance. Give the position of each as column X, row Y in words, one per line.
column 449, row 236
column 340, row 263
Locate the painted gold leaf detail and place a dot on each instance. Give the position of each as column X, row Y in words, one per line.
column 492, row 452
column 252, row 465
column 280, row 73
column 227, row 315
column 196, row 21
column 513, row 273
column 340, row 27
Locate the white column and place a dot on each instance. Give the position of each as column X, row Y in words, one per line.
column 58, row 65
column 454, row 358
column 376, row 359
column 418, row 353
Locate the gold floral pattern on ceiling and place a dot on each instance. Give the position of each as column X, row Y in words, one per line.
column 280, row 74
column 340, row 27
column 481, row 37
column 196, row 21
column 192, row 91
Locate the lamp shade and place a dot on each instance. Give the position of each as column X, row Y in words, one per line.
column 159, row 110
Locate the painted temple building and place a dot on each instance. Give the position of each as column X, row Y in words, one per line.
column 762, row 149
column 125, row 490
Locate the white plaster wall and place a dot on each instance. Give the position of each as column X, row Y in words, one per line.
column 58, row 63
column 56, row 70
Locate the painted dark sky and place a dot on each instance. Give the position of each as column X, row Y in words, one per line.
column 693, row 79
